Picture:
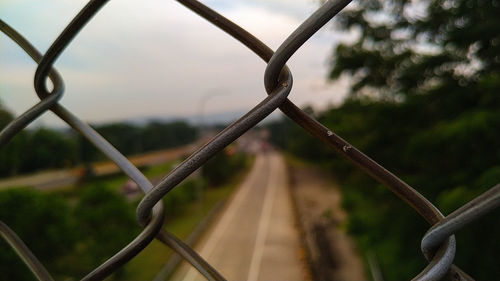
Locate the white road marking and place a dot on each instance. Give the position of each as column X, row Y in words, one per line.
column 265, row 218
column 226, row 219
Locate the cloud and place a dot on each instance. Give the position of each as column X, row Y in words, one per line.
column 157, row 58
column 296, row 9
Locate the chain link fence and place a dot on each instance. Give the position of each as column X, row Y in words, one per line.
column 438, row 244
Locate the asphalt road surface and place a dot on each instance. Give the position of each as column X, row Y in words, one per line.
column 255, row 238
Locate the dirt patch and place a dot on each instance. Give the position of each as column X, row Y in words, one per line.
column 331, row 253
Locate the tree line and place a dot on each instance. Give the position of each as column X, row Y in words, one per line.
column 45, row 148
column 424, row 101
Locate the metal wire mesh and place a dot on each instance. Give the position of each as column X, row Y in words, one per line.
column 438, row 244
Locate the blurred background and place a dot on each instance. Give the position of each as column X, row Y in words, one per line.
column 413, row 84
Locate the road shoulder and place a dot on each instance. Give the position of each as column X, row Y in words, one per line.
column 332, row 255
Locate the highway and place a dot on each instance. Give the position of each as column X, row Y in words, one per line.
column 65, row 177
column 255, row 237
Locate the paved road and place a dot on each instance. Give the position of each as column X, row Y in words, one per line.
column 255, row 237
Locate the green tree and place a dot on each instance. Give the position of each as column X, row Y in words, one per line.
column 5, row 117
column 125, row 137
column 106, row 223
column 158, row 135
column 46, row 148
column 10, row 162
column 222, row 166
column 424, row 103
column 43, row 222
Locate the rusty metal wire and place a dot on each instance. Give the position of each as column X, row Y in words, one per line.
column 438, row 244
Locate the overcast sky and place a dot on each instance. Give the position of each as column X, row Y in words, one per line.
column 156, row 58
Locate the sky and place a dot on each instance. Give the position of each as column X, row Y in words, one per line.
column 156, row 58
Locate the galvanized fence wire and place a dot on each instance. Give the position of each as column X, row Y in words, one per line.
column 438, row 244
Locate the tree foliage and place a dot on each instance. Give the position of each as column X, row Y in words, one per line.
column 43, row 221
column 44, row 148
column 405, row 48
column 424, row 103
column 222, row 166
column 69, row 240
column 106, row 223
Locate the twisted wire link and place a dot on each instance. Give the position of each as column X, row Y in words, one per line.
column 31, row 114
column 444, row 256
column 17, row 124
column 461, row 217
column 438, row 244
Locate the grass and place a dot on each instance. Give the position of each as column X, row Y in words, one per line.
column 159, row 170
